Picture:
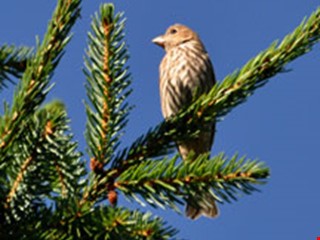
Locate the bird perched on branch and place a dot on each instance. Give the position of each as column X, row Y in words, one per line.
column 186, row 72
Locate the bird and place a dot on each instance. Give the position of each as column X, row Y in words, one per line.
column 186, row 72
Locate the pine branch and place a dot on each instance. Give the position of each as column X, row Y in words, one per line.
column 61, row 152
column 33, row 88
column 237, row 87
column 232, row 91
column 107, row 89
column 168, row 182
column 13, row 61
column 43, row 165
column 112, row 223
column 107, row 83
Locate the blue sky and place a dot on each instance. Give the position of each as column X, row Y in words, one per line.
column 278, row 125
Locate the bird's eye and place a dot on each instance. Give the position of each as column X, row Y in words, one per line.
column 173, row 31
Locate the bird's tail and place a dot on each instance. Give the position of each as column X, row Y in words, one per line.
column 204, row 204
column 199, row 145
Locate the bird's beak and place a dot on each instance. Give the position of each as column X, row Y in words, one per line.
column 159, row 41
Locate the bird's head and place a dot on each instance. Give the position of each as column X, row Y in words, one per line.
column 176, row 35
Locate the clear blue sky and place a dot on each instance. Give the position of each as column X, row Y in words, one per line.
column 279, row 124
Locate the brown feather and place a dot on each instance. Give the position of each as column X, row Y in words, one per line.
column 186, row 72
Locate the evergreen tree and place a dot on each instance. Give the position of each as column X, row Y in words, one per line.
column 47, row 192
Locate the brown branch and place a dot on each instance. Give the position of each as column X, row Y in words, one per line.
column 18, row 180
column 107, row 28
column 90, row 192
column 61, row 178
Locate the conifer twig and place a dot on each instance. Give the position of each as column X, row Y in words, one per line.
column 107, row 85
column 33, row 88
column 166, row 182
